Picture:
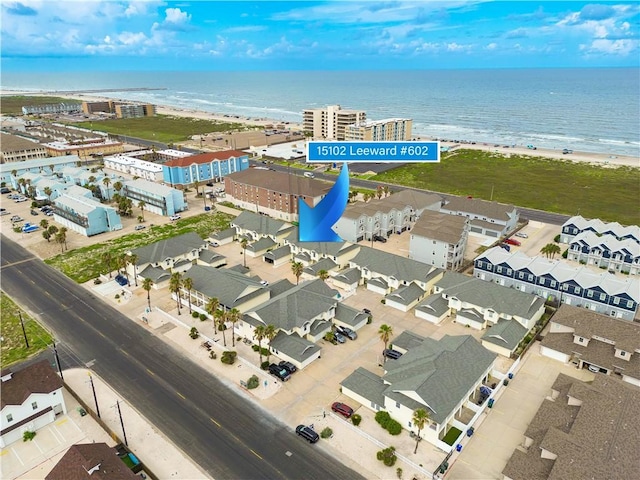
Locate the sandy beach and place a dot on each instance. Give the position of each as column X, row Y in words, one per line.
column 600, row 159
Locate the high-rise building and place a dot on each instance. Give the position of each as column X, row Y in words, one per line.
column 330, row 123
column 389, row 129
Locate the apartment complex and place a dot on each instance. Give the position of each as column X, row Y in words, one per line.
column 487, row 218
column 439, row 239
column 134, row 166
column 17, row 149
column 84, row 148
column 389, row 129
column 273, row 193
column 577, row 224
column 85, row 215
column 119, row 109
column 159, row 199
column 204, row 167
column 606, row 252
column 330, row 123
column 51, row 108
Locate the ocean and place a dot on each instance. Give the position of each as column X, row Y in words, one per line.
column 592, row 110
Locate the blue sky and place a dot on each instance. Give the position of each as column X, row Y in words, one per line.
column 262, row 35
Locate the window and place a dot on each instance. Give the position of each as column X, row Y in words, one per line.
column 629, row 303
column 622, row 353
column 589, row 294
column 577, row 290
column 581, row 340
column 397, row 404
column 34, row 405
column 616, row 301
column 9, row 417
column 602, row 297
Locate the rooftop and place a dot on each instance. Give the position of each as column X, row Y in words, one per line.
column 36, row 378
column 280, row 182
column 477, row 206
column 440, row 226
column 202, row 158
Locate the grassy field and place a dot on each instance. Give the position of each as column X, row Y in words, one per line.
column 83, row 264
column 534, row 182
column 12, row 104
column 162, row 128
column 13, row 347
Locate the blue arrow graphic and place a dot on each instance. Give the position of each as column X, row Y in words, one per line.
column 316, row 222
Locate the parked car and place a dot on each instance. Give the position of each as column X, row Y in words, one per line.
column 29, row 227
column 264, row 283
column 34, row 212
column 140, row 227
column 21, row 199
column 5, row 190
column 367, row 311
column 339, row 337
column 347, row 332
column 594, row 369
column 342, row 409
column 566, row 151
column 279, row 372
column 175, row 217
column 121, row 280
column 307, row 433
column 16, row 219
column 379, row 238
column 522, row 235
column 309, row 174
column 3, row 211
column 505, row 246
column 390, row 353
column 512, row 241
column 288, row 366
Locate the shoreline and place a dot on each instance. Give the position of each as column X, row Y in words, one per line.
column 606, row 160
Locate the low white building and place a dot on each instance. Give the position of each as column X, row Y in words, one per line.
column 31, row 398
column 134, row 166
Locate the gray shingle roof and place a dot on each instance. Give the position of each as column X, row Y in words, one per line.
column 434, row 305
column 228, row 233
column 349, row 315
column 378, row 282
column 209, row 257
column 229, row 287
column 278, row 253
column 506, row 333
column 407, row 340
column 330, row 249
column 397, row 201
column 503, row 300
column 367, row 384
column 294, row 347
column 440, row 372
column 440, row 226
column 389, row 264
column 349, row 276
column 477, row 206
column 169, row 248
column 263, row 244
column 156, row 274
column 322, row 264
column 406, row 294
column 261, row 224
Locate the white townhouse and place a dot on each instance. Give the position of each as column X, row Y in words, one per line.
column 606, row 251
column 309, row 253
column 556, row 280
column 384, row 216
column 134, row 166
column 439, row 239
column 31, row 398
column 158, row 198
column 578, row 224
column 255, row 227
column 492, row 219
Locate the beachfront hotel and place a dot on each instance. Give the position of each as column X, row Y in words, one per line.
column 204, row 167
column 387, row 130
column 273, row 193
column 119, row 109
column 330, row 123
column 84, row 148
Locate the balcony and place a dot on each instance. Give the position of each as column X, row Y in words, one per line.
column 76, row 218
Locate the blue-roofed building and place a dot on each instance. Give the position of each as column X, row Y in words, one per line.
column 39, row 165
column 158, row 198
column 85, row 215
column 204, row 167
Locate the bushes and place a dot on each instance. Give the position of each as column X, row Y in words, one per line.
column 229, row 357
column 387, row 456
column 326, row 433
column 213, row 355
column 265, row 365
column 388, row 423
column 27, row 436
column 557, row 238
column 356, row 419
column 369, row 320
column 195, row 314
column 193, row 333
column 255, row 348
column 253, row 382
column 203, row 317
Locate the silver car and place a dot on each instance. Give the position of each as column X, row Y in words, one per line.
column 339, row 337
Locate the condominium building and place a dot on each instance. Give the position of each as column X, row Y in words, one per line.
column 439, row 239
column 389, row 129
column 17, row 149
column 51, row 108
column 121, row 110
column 84, row 148
column 159, row 199
column 331, row 123
column 204, row 167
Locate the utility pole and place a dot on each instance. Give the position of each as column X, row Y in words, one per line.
column 24, row 332
column 55, row 351
column 124, row 434
column 95, row 398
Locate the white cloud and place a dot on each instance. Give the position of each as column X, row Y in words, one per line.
column 621, row 47
column 177, row 16
column 492, row 46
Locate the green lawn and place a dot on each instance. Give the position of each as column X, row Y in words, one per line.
column 162, row 128
column 83, row 264
column 13, row 347
column 12, row 104
column 534, row 182
column 451, row 436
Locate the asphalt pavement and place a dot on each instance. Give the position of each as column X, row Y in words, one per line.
column 226, row 435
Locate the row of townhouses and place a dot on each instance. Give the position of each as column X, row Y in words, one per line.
column 578, row 224
column 552, row 279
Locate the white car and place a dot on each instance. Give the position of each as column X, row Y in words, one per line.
column 175, row 217
column 20, row 199
column 140, row 227
column 522, row 235
column 264, row 283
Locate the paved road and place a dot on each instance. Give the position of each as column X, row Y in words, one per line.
column 225, row 434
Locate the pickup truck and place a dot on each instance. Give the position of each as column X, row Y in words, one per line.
column 512, row 241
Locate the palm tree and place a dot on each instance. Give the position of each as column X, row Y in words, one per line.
column 270, row 333
column 259, row 335
column 46, row 235
column 323, row 275
column 550, row 250
column 234, row 316
column 106, row 258
column 196, row 185
column 220, row 319
column 187, row 283
column 61, row 238
column 106, row 181
column 117, row 186
column 92, row 179
column 123, row 261
column 141, row 205
column 14, row 173
column 133, row 260
column 147, row 283
column 420, row 419
column 44, row 223
column 297, row 268
column 48, row 192
column 51, row 167
column 379, row 192
column 243, row 244
column 385, row 332
column 175, row 283
column 385, row 189
column 212, row 307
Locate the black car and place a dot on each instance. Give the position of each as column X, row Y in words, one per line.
column 279, row 372
column 5, row 190
column 307, row 433
column 393, row 354
column 379, row 238
column 367, row 311
column 288, row 366
column 34, row 212
column 347, row 332
column 121, row 280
